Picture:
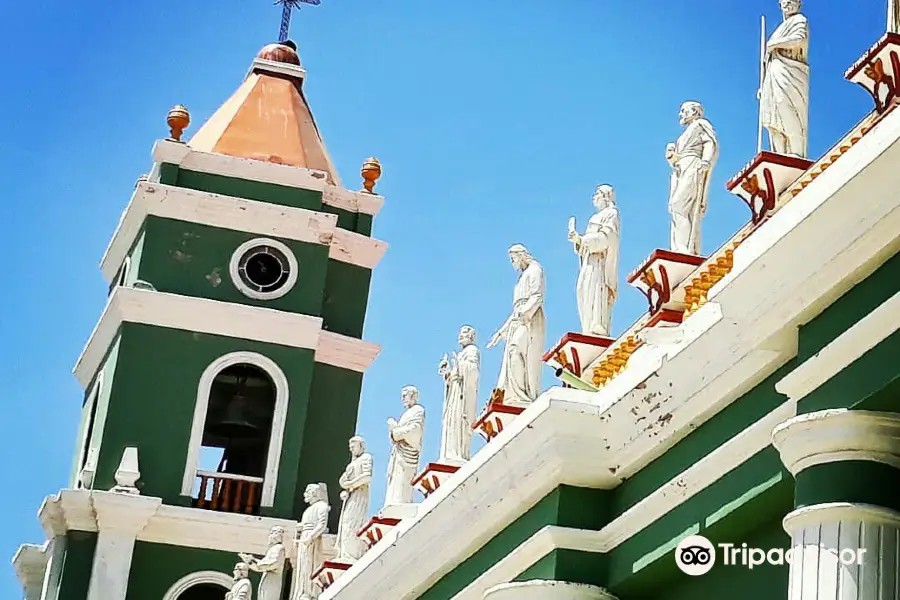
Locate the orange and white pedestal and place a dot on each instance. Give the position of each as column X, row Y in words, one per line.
column 376, row 529
column 575, row 351
column 431, row 478
column 762, row 181
column 496, row 416
column 878, row 72
column 329, row 572
column 658, row 277
column 386, row 519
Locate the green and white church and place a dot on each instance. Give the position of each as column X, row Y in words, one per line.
column 742, row 438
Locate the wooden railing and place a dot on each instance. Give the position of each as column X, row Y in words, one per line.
column 228, row 493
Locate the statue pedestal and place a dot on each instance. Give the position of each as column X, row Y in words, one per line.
column 496, row 416
column 376, row 529
column 574, row 352
column 764, row 179
column 878, row 71
column 658, row 278
column 430, row 479
column 329, row 572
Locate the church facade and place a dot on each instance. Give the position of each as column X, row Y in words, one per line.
column 742, row 438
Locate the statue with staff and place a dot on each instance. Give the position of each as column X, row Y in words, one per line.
column 784, row 88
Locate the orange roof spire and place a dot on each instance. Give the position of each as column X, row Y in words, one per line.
column 268, row 118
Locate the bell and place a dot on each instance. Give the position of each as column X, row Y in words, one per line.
column 234, row 424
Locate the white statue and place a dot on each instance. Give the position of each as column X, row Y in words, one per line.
column 598, row 250
column 893, row 20
column 460, row 374
column 310, row 556
column 241, row 588
column 271, row 566
column 524, row 331
column 355, row 498
column 406, row 438
column 692, row 158
column 784, row 98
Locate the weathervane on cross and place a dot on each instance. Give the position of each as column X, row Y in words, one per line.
column 286, row 7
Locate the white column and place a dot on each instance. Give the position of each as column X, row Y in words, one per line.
column 120, row 518
column 546, row 590
column 842, row 551
column 842, row 548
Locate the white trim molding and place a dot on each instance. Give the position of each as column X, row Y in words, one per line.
column 838, row 435
column 187, row 313
column 73, row 510
column 184, row 156
column 839, row 354
column 276, row 436
column 215, row 210
column 30, row 564
column 198, row 578
column 235, row 264
column 837, row 512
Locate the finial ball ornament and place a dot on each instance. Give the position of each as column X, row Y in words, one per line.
column 283, row 52
column 371, row 171
column 178, row 119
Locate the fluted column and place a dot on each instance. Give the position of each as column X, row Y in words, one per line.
column 845, row 529
column 546, row 590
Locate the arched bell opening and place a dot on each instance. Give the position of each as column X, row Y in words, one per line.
column 203, row 591
column 236, row 435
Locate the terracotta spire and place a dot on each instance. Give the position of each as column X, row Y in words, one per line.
column 268, row 118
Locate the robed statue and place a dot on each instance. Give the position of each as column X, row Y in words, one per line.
column 406, row 437
column 241, row 587
column 310, row 551
column 354, row 484
column 784, row 97
column 460, row 373
column 524, row 331
column 598, row 251
column 692, row 158
column 271, row 566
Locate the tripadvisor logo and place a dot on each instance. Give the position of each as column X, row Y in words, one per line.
column 696, row 555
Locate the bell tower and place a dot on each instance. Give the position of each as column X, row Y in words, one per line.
column 224, row 374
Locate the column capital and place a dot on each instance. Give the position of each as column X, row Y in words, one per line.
column 546, row 590
column 839, row 435
column 123, row 513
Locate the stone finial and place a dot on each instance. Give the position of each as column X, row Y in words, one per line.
column 371, row 172
column 178, row 119
column 128, row 473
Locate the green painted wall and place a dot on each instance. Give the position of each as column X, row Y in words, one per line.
column 346, row 298
column 99, row 397
column 156, row 567
column 723, row 581
column 193, row 260
column 152, row 406
column 330, row 423
column 77, row 565
column 565, row 506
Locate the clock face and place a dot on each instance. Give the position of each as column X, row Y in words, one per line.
column 264, row 269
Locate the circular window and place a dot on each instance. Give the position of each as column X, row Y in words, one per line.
column 263, row 269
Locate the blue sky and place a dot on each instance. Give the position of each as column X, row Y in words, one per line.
column 493, row 121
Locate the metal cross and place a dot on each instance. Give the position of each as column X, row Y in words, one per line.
column 286, row 7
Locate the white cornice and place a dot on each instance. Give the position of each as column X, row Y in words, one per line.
column 776, row 285
column 867, row 333
column 838, row 435
column 187, row 313
column 184, row 156
column 227, row 212
column 279, row 68
column 30, row 563
column 174, row 525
